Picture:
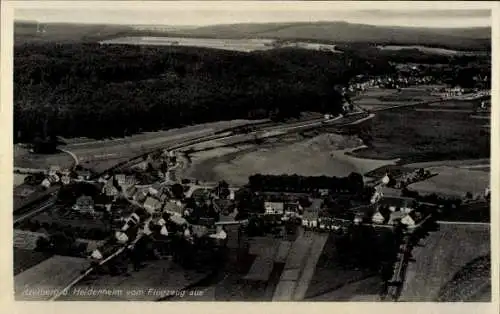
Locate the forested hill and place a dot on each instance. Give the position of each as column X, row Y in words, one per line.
column 477, row 38
column 99, row 91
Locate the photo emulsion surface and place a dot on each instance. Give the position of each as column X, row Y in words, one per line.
column 209, row 154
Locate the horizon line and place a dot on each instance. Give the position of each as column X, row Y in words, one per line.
column 249, row 23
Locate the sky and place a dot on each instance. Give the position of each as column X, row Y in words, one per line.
column 178, row 13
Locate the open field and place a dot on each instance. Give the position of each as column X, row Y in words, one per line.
column 380, row 98
column 453, row 181
column 235, row 164
column 246, row 45
column 422, row 136
column 334, row 282
column 24, row 159
column 425, row 49
column 42, row 281
column 439, row 258
column 475, row 212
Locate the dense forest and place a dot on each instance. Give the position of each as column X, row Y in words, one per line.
column 99, row 91
column 92, row 90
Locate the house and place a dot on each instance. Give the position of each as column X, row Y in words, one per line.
column 274, row 207
column 173, row 208
column 378, row 218
column 152, row 205
column 65, row 180
column 83, row 174
column 412, row 218
column 291, row 209
column 121, row 237
column 132, row 220
column 403, row 204
column 324, row 192
column 155, row 189
column 140, row 196
column 310, row 219
column 120, row 179
column 220, row 235
column 109, row 189
column 130, row 191
column 130, row 180
column 84, row 204
column 53, row 178
column 45, row 183
column 53, row 170
column 382, row 215
column 96, row 254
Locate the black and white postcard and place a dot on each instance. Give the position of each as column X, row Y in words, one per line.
column 258, row 151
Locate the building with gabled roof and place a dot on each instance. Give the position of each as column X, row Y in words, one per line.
column 404, row 204
column 152, row 205
column 173, row 208
column 274, row 207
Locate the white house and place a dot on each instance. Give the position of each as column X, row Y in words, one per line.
column 378, row 218
column 45, row 183
column 274, row 207
column 408, row 220
column 96, row 254
column 120, row 179
column 121, row 237
column 65, row 180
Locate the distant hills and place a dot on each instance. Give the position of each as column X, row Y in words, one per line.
column 347, row 33
column 332, row 32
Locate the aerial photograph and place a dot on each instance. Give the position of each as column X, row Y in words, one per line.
column 205, row 152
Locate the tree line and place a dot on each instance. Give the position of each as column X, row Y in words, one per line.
column 353, row 183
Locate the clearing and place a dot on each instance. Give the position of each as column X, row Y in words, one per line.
column 423, row 135
column 24, row 159
column 380, row 98
column 453, row 181
column 442, row 255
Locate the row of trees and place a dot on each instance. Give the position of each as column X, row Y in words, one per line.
column 353, row 183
